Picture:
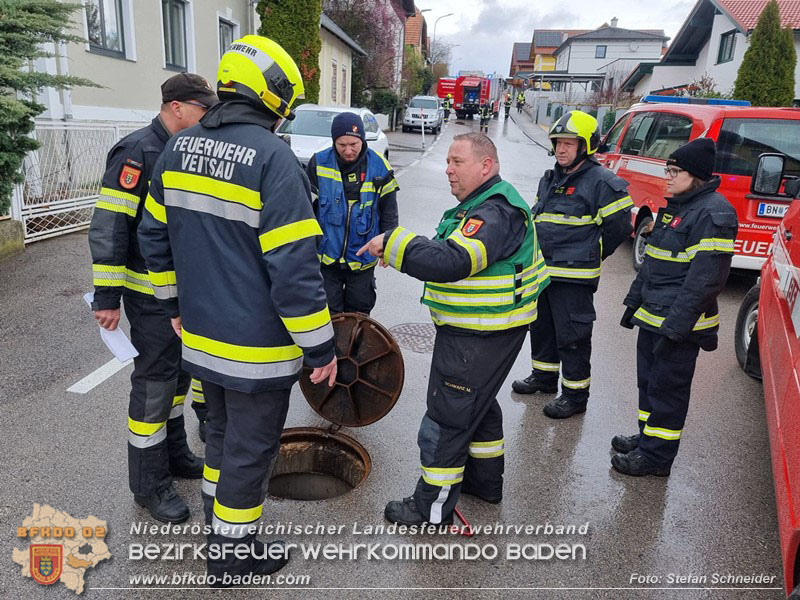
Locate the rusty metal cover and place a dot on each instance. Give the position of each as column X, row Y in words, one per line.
column 369, row 378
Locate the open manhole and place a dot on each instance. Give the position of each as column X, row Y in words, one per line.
column 316, row 465
column 417, row 337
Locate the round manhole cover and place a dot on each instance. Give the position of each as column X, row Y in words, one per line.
column 417, row 337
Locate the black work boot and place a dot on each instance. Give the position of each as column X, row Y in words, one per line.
column 636, row 464
column 405, row 512
column 490, row 498
column 165, row 505
column 186, row 465
column 562, row 408
column 201, row 430
column 259, row 561
column 530, row 385
column 625, row 443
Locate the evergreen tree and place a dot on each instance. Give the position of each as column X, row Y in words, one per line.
column 766, row 75
column 24, row 25
column 294, row 24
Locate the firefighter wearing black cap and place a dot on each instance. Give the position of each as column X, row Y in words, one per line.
column 157, row 448
column 582, row 214
column 355, row 199
column 485, row 113
column 483, row 272
column 229, row 224
column 673, row 300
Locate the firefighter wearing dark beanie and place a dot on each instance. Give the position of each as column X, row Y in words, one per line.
column 347, row 123
column 673, row 301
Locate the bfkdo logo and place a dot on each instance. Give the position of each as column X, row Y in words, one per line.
column 46, row 562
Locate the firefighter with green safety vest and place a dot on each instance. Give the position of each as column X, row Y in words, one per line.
column 355, row 199
column 228, row 222
column 485, row 113
column 582, row 215
column 483, row 273
column 157, row 448
column 507, row 103
column 520, row 101
column 447, row 105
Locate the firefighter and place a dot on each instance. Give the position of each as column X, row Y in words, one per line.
column 520, row 101
column 673, row 301
column 356, row 199
column 582, row 214
column 157, row 448
column 229, row 227
column 485, row 113
column 507, row 103
column 484, row 247
column 448, row 106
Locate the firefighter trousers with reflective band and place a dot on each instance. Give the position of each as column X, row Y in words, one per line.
column 158, row 390
column 664, row 382
column 242, row 441
column 348, row 290
column 561, row 338
column 461, row 435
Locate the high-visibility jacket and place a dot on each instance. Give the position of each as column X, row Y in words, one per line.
column 347, row 225
column 447, row 104
column 117, row 263
column 499, row 289
column 230, row 242
column 485, row 111
column 687, row 261
column 507, row 101
column 581, row 218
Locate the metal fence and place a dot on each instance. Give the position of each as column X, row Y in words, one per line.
column 63, row 177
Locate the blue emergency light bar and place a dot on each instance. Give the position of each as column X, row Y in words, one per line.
column 686, row 100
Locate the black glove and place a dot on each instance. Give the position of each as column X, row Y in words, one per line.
column 626, row 318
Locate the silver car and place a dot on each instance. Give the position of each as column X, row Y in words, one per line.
column 423, row 111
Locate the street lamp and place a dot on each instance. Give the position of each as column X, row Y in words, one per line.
column 433, row 43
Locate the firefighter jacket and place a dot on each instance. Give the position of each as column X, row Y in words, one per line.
column 507, row 101
column 230, row 243
column 687, row 261
column 447, row 104
column 581, row 218
column 117, row 263
column 483, row 269
column 350, row 205
column 485, row 111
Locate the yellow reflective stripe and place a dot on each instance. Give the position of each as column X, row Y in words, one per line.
column 210, row 474
column 119, row 194
column 486, row 321
column 576, row 385
column 487, row 449
column 308, row 322
column 573, row 273
column 325, row 259
column 285, row 234
column 178, row 400
column 643, row 414
column 545, row 366
column 475, row 249
column 158, row 212
column 247, row 354
column 223, row 190
column 442, row 476
column 164, row 278
column 560, row 219
column 664, row 434
column 385, row 162
column 395, row 247
column 706, row 322
column 329, row 173
column 237, row 515
column 139, row 282
column 661, row 254
column 648, row 317
column 389, row 187
column 703, row 322
column 710, row 245
column 357, row 266
column 144, row 429
column 618, row 205
column 108, row 275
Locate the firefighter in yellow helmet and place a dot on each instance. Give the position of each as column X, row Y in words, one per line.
column 582, row 213
column 448, row 106
column 230, row 236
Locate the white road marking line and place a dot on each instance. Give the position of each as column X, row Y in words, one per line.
column 95, row 378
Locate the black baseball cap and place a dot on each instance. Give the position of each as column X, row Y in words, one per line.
column 188, row 86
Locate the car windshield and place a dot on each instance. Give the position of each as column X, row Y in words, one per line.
column 741, row 141
column 309, row 122
column 423, row 103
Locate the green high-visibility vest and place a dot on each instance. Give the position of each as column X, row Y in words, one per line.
column 500, row 296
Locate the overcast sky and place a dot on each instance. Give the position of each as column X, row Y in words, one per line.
column 487, row 29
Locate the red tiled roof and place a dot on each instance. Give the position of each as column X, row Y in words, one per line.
column 414, row 29
column 746, row 12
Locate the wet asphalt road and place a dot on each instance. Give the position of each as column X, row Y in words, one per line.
column 714, row 515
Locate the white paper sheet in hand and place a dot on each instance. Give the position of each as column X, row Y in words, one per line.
column 116, row 340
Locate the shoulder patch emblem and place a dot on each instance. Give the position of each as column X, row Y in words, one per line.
column 351, row 177
column 675, row 222
column 129, row 177
column 471, row 228
column 570, row 191
column 667, row 218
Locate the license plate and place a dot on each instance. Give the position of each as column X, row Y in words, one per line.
column 416, row 116
column 770, row 209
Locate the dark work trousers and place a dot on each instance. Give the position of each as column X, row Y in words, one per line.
column 242, row 440
column 158, row 389
column 461, row 435
column 664, row 382
column 446, row 114
column 561, row 338
column 349, row 291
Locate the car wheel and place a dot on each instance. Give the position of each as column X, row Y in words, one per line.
column 405, row 129
column 640, row 243
column 746, row 323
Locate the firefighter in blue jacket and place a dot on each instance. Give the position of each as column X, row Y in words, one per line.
column 230, row 238
column 355, row 199
column 582, row 214
column 673, row 301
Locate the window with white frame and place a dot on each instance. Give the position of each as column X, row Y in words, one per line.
column 344, row 85
column 105, row 28
column 334, row 68
column 174, row 17
column 600, row 51
column 227, row 33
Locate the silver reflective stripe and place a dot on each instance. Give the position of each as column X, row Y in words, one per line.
column 546, row 366
column 499, row 299
column 309, row 339
column 147, row 441
column 576, row 385
column 231, row 211
column 483, row 321
column 134, row 206
column 261, row 59
column 176, row 411
column 505, row 281
column 208, row 488
column 165, row 292
column 238, row 530
column 436, row 507
column 233, row 368
column 477, row 451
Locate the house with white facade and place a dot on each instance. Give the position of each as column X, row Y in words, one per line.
column 711, row 43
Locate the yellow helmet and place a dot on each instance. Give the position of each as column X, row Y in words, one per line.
column 576, row 124
column 260, row 69
column 449, row 95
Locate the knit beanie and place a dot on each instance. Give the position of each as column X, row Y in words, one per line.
column 696, row 157
column 347, row 123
